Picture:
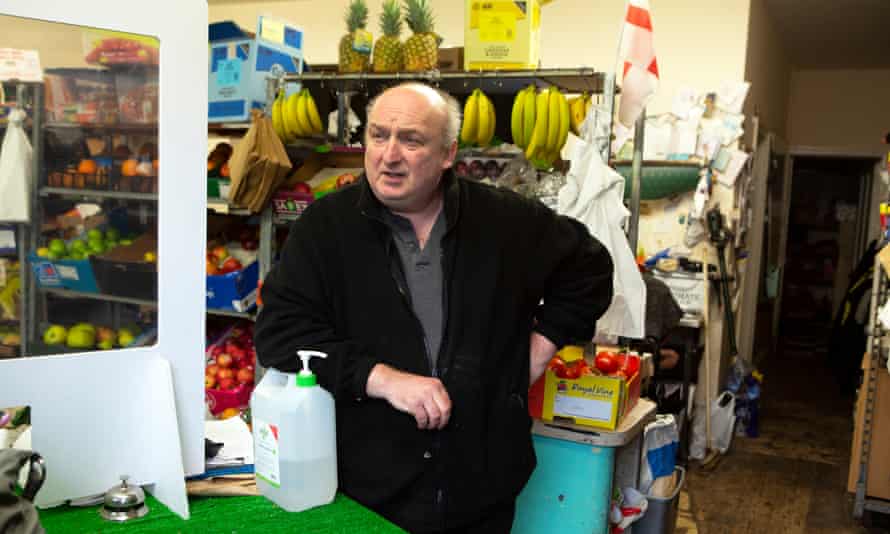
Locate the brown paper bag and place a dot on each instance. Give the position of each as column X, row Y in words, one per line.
column 258, row 166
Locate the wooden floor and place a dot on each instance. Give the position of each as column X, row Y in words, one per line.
column 792, row 479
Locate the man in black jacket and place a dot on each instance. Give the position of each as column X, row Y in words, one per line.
column 438, row 301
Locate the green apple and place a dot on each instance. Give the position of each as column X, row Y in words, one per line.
column 126, row 242
column 58, row 246
column 83, row 326
column 97, row 247
column 112, row 234
column 53, row 255
column 94, row 235
column 106, row 344
column 125, row 337
column 77, row 255
column 55, row 335
column 78, row 245
column 110, row 244
column 81, row 338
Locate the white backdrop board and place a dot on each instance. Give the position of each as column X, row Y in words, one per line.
column 103, row 414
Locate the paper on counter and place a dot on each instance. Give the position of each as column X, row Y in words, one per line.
column 684, row 137
column 657, row 138
column 734, row 166
column 684, row 101
column 731, row 96
column 236, row 439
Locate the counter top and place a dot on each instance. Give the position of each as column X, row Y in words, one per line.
column 225, row 514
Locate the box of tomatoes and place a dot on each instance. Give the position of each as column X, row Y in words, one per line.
column 594, row 392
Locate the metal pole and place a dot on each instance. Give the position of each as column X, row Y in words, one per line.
column 609, row 104
column 29, row 286
column 633, row 228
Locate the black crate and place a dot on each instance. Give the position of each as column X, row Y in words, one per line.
column 137, row 280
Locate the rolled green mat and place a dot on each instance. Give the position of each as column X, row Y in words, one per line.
column 661, row 180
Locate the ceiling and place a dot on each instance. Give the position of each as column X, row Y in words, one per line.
column 834, row 34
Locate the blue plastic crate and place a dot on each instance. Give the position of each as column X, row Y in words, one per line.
column 235, row 291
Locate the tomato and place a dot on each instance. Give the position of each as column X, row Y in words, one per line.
column 225, row 373
column 558, row 366
column 244, row 376
column 229, row 412
column 575, row 369
column 632, row 365
column 224, row 360
column 209, row 381
column 212, row 370
column 606, row 362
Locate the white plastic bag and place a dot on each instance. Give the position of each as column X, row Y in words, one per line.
column 593, row 195
column 15, row 171
column 722, row 426
column 660, row 443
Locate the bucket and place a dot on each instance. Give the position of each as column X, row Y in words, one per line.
column 661, row 515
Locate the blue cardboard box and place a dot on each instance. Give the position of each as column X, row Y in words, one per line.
column 74, row 275
column 233, row 291
column 241, row 63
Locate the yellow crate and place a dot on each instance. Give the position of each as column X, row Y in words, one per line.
column 502, row 34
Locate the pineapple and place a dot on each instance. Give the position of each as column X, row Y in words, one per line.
column 388, row 51
column 422, row 48
column 352, row 60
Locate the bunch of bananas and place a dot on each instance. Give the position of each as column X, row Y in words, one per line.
column 540, row 124
column 479, row 120
column 578, row 107
column 296, row 116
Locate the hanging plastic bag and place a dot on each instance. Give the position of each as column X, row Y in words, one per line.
column 660, row 443
column 15, row 171
column 722, row 426
column 593, row 195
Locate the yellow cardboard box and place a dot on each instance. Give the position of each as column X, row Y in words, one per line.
column 598, row 401
column 502, row 34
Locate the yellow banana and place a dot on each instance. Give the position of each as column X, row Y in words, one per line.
column 575, row 122
column 314, row 117
column 492, row 121
column 538, row 140
column 291, row 124
column 469, row 128
column 528, row 114
column 552, row 119
column 564, row 119
column 516, row 119
column 303, row 113
column 486, row 126
column 277, row 118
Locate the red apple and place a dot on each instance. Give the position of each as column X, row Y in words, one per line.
column 227, row 383
column 216, row 350
column 302, row 187
column 212, row 269
column 231, row 265
column 224, row 360
column 212, row 369
column 225, row 373
column 209, row 381
column 244, row 376
column 345, row 179
column 220, row 253
column 236, row 352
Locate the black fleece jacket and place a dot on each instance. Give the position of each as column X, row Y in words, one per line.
column 510, row 265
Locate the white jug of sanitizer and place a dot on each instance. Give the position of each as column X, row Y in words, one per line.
column 295, row 440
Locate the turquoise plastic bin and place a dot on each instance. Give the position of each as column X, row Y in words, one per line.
column 569, row 491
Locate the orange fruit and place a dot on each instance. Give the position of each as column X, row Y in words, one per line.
column 129, row 167
column 229, row 412
column 87, row 166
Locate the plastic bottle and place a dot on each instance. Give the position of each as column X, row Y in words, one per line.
column 294, row 433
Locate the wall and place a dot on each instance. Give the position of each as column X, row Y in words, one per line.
column 697, row 43
column 60, row 45
column 768, row 68
column 843, row 110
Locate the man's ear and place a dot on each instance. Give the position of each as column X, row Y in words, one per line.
column 449, row 156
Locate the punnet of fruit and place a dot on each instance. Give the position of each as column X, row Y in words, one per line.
column 229, row 371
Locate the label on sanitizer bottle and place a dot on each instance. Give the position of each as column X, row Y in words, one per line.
column 266, row 461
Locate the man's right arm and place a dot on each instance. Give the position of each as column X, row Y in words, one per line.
column 297, row 314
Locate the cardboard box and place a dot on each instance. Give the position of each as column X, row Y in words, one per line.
column 451, row 59
column 241, row 63
column 502, row 34
column 597, row 401
column 234, row 291
column 878, row 480
column 82, row 96
column 137, row 98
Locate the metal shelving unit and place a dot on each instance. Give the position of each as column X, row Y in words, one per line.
column 67, row 293
column 95, row 194
column 878, row 364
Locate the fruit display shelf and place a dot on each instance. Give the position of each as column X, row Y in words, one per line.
column 223, row 207
column 92, row 194
column 96, row 296
column 495, row 81
column 147, row 128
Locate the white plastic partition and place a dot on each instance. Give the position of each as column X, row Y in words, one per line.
column 99, row 415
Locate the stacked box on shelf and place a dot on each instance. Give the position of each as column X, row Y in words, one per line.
column 81, row 96
column 124, row 271
column 241, row 63
column 236, row 291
